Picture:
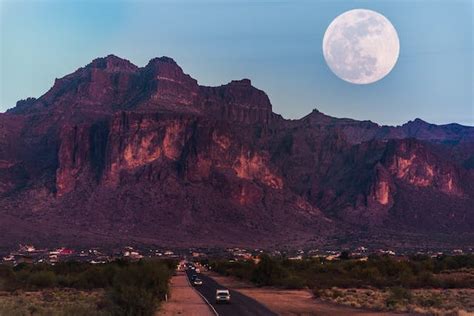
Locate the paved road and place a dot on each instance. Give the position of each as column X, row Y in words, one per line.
column 240, row 305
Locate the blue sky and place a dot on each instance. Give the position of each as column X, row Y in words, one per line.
column 275, row 43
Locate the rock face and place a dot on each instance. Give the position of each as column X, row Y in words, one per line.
column 116, row 154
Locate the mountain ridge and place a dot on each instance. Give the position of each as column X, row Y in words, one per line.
column 126, row 65
column 121, row 152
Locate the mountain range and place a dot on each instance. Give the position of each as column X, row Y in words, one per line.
column 118, row 154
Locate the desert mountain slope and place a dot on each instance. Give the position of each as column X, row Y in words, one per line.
column 114, row 153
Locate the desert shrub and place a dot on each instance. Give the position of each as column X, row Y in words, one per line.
column 398, row 296
column 241, row 269
column 66, row 280
column 87, row 276
column 137, row 289
column 293, row 282
column 317, row 293
column 344, row 255
column 42, row 279
column 268, row 272
column 94, row 277
column 70, row 267
column 443, row 263
column 21, row 266
column 425, row 279
column 336, row 293
column 8, row 281
column 431, row 300
column 378, row 271
column 407, row 279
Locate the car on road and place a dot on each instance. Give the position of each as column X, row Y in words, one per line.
column 197, row 281
column 222, row 296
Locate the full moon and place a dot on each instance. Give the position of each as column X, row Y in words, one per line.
column 361, row 46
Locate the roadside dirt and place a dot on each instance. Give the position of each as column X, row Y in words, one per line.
column 292, row 302
column 183, row 300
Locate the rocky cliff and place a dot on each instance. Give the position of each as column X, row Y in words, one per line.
column 115, row 153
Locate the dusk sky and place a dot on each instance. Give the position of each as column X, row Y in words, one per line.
column 277, row 44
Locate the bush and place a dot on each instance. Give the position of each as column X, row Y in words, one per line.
column 398, row 296
column 378, row 271
column 268, row 272
column 8, row 280
column 336, row 293
column 95, row 277
column 137, row 289
column 433, row 300
column 42, row 279
column 293, row 282
column 317, row 293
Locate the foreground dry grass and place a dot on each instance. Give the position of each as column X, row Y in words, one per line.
column 420, row 301
column 57, row 302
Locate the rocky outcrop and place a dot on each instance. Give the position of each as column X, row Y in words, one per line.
column 81, row 156
column 410, row 161
column 237, row 101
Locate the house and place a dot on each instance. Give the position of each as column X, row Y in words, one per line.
column 27, row 248
column 23, row 259
column 65, row 251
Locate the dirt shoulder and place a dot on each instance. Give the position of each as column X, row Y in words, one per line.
column 291, row 302
column 184, row 300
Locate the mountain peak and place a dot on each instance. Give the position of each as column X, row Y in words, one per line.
column 242, row 82
column 416, row 122
column 112, row 63
column 163, row 60
column 419, row 121
column 165, row 68
column 318, row 117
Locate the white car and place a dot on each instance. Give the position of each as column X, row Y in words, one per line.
column 222, row 296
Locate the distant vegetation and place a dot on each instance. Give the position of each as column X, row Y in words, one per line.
column 130, row 288
column 377, row 271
